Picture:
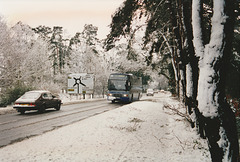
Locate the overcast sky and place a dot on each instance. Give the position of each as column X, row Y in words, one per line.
column 72, row 15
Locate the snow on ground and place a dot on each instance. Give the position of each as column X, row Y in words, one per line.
column 141, row 131
column 7, row 110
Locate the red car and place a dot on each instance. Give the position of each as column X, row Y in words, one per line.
column 37, row 100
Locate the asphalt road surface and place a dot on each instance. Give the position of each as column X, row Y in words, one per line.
column 15, row 127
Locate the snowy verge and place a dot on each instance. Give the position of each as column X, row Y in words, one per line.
column 7, row 110
column 141, row 131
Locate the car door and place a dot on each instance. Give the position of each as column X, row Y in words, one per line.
column 51, row 101
column 45, row 99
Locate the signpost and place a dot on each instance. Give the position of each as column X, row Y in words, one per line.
column 80, row 83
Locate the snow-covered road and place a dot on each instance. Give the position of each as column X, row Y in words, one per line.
column 141, row 131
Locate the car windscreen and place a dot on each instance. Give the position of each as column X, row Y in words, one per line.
column 114, row 84
column 149, row 90
column 31, row 95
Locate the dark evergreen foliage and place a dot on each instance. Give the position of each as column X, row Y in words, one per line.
column 12, row 94
column 121, row 21
column 140, row 73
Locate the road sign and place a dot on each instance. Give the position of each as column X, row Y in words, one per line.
column 81, row 83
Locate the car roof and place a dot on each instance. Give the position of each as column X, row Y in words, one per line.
column 40, row 91
column 121, row 74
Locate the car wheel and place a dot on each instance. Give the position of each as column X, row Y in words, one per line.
column 58, row 106
column 42, row 109
column 22, row 112
column 138, row 96
column 131, row 99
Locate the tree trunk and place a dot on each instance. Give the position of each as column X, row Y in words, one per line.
column 180, row 53
column 218, row 119
column 192, row 71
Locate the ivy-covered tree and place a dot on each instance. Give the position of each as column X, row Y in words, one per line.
column 233, row 76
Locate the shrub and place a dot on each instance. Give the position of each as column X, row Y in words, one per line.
column 12, row 94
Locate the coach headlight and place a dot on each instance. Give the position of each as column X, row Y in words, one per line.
column 125, row 95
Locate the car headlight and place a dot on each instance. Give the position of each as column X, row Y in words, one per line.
column 109, row 94
column 125, row 95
